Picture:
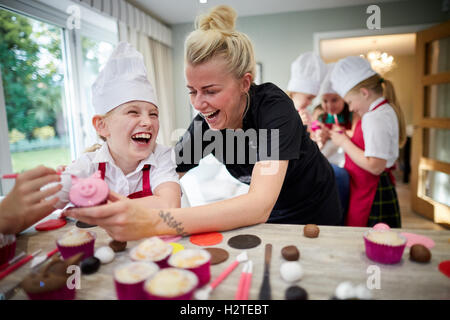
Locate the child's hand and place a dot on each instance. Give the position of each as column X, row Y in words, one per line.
column 338, row 136
column 26, row 204
column 306, row 117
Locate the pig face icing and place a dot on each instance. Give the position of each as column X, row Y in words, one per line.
column 87, row 192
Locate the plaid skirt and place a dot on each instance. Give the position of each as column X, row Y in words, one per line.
column 385, row 207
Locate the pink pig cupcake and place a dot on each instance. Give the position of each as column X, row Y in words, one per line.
column 88, row 192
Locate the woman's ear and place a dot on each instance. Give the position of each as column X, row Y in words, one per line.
column 100, row 126
column 247, row 80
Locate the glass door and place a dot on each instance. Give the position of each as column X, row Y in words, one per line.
column 32, row 70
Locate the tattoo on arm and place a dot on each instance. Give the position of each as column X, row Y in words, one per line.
column 172, row 223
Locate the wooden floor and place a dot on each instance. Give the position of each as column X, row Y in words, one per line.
column 411, row 219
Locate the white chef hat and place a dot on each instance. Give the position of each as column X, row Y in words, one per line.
column 348, row 72
column 326, row 86
column 123, row 79
column 307, row 72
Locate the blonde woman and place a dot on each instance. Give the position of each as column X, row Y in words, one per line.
column 297, row 186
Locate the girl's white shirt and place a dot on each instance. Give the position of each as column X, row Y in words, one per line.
column 162, row 170
column 380, row 130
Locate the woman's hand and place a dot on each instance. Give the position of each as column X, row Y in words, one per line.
column 26, row 204
column 122, row 218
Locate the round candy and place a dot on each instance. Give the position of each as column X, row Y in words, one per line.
column 118, row 246
column 218, row 255
column 419, row 253
column 290, row 253
column 206, row 239
column 311, row 231
column 90, row 265
column 296, row 293
column 105, row 254
column 291, row 271
column 244, row 241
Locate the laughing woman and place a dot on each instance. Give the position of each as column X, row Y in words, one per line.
column 295, row 184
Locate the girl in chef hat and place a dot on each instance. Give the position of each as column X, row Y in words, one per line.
column 307, row 73
column 373, row 149
column 130, row 160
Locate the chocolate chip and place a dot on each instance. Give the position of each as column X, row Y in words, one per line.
column 290, row 253
column 117, row 246
column 419, row 253
column 311, row 231
column 296, row 293
column 90, row 265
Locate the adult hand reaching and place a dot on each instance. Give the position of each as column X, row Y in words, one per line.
column 26, row 204
column 122, row 218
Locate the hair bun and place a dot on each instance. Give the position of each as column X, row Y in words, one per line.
column 221, row 18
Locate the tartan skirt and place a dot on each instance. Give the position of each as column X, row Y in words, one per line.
column 385, row 207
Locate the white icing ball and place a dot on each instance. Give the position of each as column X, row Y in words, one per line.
column 362, row 293
column 345, row 290
column 291, row 271
column 105, row 254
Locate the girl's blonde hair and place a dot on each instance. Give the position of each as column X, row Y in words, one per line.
column 215, row 36
column 97, row 146
column 385, row 87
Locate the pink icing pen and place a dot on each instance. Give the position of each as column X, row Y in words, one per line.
column 337, row 122
column 87, row 192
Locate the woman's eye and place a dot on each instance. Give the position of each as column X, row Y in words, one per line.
column 132, row 112
column 210, row 92
column 191, row 92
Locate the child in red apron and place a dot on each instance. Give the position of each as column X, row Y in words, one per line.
column 371, row 152
column 130, row 160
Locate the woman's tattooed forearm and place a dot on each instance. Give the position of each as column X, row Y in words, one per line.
column 172, row 223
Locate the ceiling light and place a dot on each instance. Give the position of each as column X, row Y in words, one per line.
column 381, row 62
column 203, row 1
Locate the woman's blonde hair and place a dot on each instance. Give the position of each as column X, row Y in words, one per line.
column 215, row 36
column 97, row 146
column 385, row 87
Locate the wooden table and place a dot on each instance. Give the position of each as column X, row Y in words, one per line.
column 337, row 255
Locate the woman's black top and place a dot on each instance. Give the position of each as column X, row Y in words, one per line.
column 309, row 193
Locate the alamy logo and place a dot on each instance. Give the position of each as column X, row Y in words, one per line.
column 74, row 20
column 74, row 281
column 374, row 278
column 374, row 20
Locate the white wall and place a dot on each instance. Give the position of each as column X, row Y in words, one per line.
column 279, row 38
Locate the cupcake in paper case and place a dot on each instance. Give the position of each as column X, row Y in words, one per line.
column 51, row 283
column 384, row 246
column 152, row 249
column 88, row 192
column 195, row 260
column 171, row 284
column 129, row 279
column 75, row 241
column 7, row 247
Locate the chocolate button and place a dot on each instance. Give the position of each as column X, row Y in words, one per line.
column 419, row 253
column 311, row 231
column 218, row 255
column 117, row 246
column 290, row 253
column 90, row 265
column 296, row 293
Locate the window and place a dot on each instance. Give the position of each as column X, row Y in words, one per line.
column 47, row 70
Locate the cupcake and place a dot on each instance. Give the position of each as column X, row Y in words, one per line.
column 7, row 247
column 88, row 192
column 171, row 284
column 195, row 260
column 129, row 279
column 75, row 241
column 51, row 282
column 384, row 246
column 152, row 249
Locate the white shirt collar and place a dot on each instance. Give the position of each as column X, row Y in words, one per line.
column 103, row 155
column 376, row 102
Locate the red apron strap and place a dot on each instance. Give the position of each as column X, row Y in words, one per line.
column 102, row 168
column 146, row 179
column 380, row 104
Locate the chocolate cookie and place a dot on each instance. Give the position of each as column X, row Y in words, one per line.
column 311, row 231
column 290, row 253
column 118, row 246
column 90, row 265
column 218, row 255
column 296, row 293
column 419, row 253
column 244, row 241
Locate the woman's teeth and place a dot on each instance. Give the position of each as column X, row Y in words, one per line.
column 210, row 114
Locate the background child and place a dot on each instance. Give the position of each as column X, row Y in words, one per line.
column 130, row 160
column 307, row 73
column 372, row 151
